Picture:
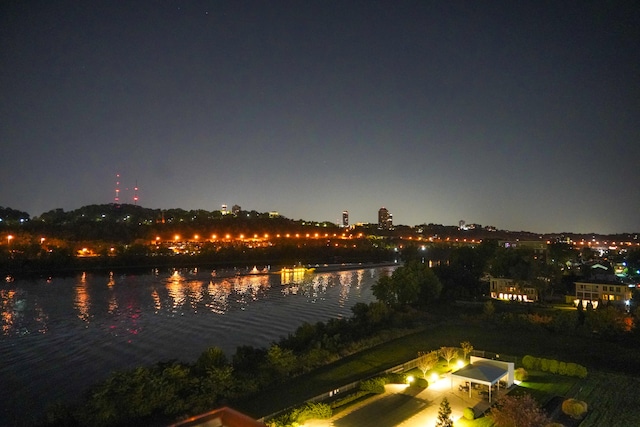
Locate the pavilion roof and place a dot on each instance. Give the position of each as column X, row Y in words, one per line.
column 481, row 373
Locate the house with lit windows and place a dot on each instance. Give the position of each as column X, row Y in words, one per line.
column 512, row 290
column 602, row 292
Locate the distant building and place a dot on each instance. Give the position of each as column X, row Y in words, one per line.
column 385, row 219
column 236, row 209
column 602, row 292
column 345, row 219
column 224, row 210
column 538, row 246
column 511, row 290
column 274, row 214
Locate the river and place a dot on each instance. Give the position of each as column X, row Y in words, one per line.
column 61, row 335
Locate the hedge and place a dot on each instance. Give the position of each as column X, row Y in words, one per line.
column 554, row 366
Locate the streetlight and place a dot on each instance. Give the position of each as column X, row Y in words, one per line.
column 9, row 239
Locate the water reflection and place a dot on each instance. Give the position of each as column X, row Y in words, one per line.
column 316, row 286
column 176, row 290
column 119, row 305
column 82, row 302
column 18, row 317
column 219, row 296
column 293, row 275
column 250, row 288
column 157, row 304
column 8, row 310
column 214, row 296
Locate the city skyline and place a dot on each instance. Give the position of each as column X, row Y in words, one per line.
column 521, row 116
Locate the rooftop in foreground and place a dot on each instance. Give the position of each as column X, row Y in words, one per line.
column 222, row 417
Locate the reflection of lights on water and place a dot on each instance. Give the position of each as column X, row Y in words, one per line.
column 194, row 287
column 18, row 317
column 215, row 295
column 219, row 294
column 345, row 286
column 113, row 304
column 82, row 301
column 176, row 290
column 8, row 316
column 156, row 301
column 249, row 288
column 292, row 275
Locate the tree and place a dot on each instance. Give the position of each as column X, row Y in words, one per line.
column 413, row 283
column 518, row 411
column 444, row 414
column 427, row 361
column 213, row 357
column 448, row 353
column 281, row 360
column 467, row 348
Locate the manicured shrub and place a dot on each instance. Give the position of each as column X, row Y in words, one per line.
column 314, row 411
column 468, row 414
column 373, row 385
column 554, row 366
column 544, row 365
column 521, row 374
column 581, row 371
column 576, row 409
column 421, row 382
column 297, row 416
column 348, row 399
column 562, row 368
column 572, row 369
column 530, row 362
column 396, row 379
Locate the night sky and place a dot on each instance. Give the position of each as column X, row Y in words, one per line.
column 521, row 115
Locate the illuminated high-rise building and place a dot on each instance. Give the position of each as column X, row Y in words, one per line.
column 385, row 219
column 345, row 219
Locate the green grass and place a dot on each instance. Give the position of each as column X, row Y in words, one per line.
column 612, row 400
column 483, row 337
column 543, row 386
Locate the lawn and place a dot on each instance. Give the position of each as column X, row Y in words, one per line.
column 612, row 400
column 543, row 386
column 483, row 337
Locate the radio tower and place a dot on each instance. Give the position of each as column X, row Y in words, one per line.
column 135, row 194
column 117, row 198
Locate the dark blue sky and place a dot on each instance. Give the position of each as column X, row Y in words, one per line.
column 521, row 115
